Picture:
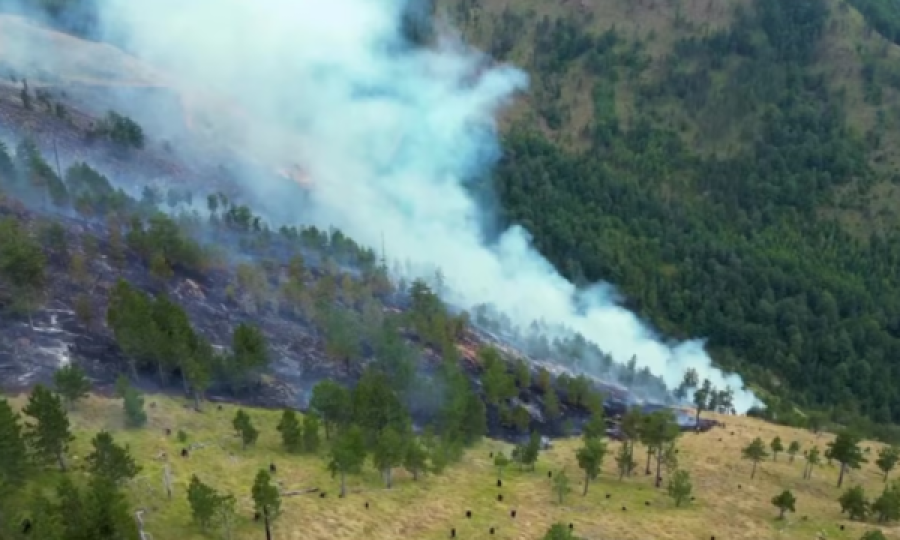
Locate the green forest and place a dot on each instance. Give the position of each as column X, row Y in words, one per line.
column 718, row 204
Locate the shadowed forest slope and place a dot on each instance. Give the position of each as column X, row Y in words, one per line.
column 731, row 166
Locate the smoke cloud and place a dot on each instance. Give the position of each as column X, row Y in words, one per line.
column 388, row 136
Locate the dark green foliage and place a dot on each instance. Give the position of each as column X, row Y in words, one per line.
column 888, row 457
column 718, row 221
column 873, row 535
column 377, row 406
column 48, row 433
column 22, row 264
column 854, row 503
column 13, row 454
column 291, row 432
column 415, row 459
column 244, row 428
column 680, row 487
column 110, row 460
column 755, row 452
column 331, row 401
column 205, row 502
column 311, row 440
column 348, row 452
column 132, row 403
column 388, row 452
column 845, row 449
column 121, row 130
column 71, row 383
column 266, row 499
column 785, row 502
column 590, row 459
column 777, row 447
column 887, row 506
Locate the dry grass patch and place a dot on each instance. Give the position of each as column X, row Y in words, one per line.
column 428, row 509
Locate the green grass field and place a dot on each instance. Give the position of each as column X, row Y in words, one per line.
column 429, row 508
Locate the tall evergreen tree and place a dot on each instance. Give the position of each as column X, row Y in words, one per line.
column 49, row 435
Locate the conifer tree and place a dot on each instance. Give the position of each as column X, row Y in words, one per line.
column 244, row 428
column 71, row 383
column 311, row 439
column 110, row 460
column 590, row 460
column 755, row 452
column 13, row 453
column 266, row 499
column 49, row 435
column 291, row 432
column 348, row 452
column 388, row 452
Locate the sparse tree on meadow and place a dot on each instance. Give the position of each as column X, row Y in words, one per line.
column 777, row 446
column 244, row 428
column 111, row 460
column 71, row 383
column 755, row 452
column 415, row 461
column 291, row 431
column 887, row 506
column 49, row 435
column 874, row 534
column 332, row 402
column 703, row 398
column 658, row 430
column 793, row 450
column 311, row 439
column 785, row 502
column 561, row 485
column 845, row 449
column 813, row 458
column 855, row 503
column 624, row 462
column 388, row 453
column 203, row 500
column 888, row 457
column 266, row 498
column 348, row 453
column 590, row 460
column 680, row 487
column 501, row 462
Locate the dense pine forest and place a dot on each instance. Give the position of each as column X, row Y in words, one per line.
column 718, row 172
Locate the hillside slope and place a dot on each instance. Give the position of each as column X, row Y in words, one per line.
column 730, row 165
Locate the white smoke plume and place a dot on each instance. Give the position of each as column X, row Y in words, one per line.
column 388, row 136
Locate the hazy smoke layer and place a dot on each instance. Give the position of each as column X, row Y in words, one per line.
column 388, row 136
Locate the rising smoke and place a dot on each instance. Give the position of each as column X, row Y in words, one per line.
column 388, row 136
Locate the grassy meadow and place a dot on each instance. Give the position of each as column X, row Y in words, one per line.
column 728, row 503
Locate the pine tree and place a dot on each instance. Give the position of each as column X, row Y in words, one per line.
column 46, row 519
column 793, row 450
column 266, row 499
column 311, row 439
column 291, row 432
column 561, row 485
column 71, row 383
column 388, row 452
column 777, row 447
column 332, row 402
column 855, row 503
column 785, row 502
column 680, row 487
column 590, row 460
column 415, row 459
column 755, row 452
column 13, row 453
column 348, row 452
column 110, row 460
column 845, row 449
column 888, row 457
column 204, row 502
column 813, row 458
column 49, row 435
column 108, row 515
column 244, row 428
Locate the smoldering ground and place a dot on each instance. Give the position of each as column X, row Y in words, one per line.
column 387, row 136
